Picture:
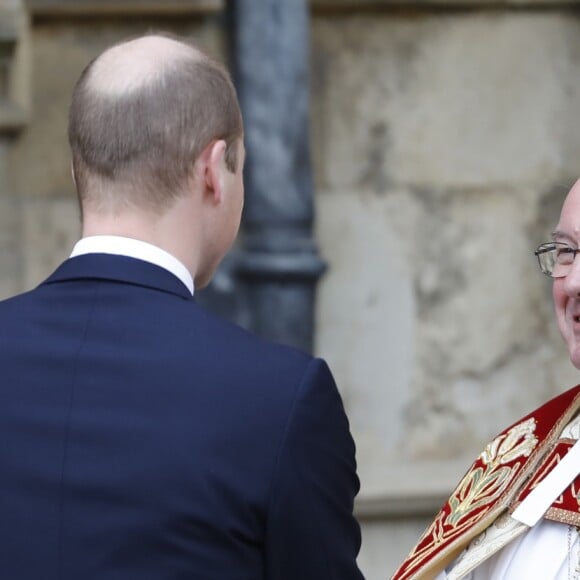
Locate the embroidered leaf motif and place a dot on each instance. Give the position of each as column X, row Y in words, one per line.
column 475, row 491
column 519, row 441
column 490, row 452
column 483, row 484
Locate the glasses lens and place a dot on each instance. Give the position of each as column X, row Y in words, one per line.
column 547, row 259
column 555, row 259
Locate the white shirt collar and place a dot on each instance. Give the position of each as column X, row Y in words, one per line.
column 121, row 246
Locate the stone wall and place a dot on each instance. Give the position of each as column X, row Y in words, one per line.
column 444, row 141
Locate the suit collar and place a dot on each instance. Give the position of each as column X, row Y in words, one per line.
column 134, row 248
column 119, row 269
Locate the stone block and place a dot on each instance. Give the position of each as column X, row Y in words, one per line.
column 50, row 228
column 14, row 65
column 477, row 277
column 435, row 319
column 485, row 352
column 10, row 254
column 366, row 310
column 469, row 99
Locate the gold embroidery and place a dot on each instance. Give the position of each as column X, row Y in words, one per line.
column 476, row 489
column 480, row 487
column 483, row 485
column 505, row 448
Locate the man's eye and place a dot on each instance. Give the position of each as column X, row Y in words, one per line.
column 564, row 255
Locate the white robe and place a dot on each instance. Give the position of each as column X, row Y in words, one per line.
column 541, row 553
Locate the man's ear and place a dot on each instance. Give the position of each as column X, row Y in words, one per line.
column 214, row 170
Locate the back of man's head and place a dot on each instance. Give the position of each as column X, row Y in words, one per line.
column 141, row 114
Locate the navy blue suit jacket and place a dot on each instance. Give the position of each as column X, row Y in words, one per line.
column 142, row 438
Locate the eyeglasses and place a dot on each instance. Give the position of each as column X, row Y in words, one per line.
column 556, row 258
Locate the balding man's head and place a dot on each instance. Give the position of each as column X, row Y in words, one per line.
column 141, row 114
column 133, row 66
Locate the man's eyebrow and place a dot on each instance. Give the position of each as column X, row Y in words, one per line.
column 559, row 234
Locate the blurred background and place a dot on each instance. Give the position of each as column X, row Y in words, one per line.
column 405, row 158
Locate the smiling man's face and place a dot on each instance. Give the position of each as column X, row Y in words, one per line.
column 566, row 290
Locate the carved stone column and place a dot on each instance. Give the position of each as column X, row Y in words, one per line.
column 279, row 262
column 13, row 114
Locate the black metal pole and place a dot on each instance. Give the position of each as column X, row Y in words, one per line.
column 279, row 262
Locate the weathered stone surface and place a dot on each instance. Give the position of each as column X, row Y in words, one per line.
column 367, row 310
column 13, row 100
column 384, row 546
column 482, row 325
column 56, row 8
column 122, row 7
column 433, row 316
column 10, row 256
column 14, row 65
column 463, row 100
column 49, row 230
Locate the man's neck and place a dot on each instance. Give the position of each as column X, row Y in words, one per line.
column 169, row 231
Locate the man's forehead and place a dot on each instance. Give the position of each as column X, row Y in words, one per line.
column 569, row 224
column 572, row 198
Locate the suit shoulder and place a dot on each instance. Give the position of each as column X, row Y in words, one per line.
column 233, row 336
column 16, row 302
